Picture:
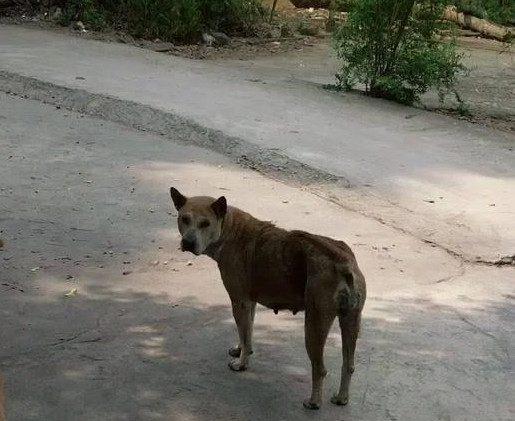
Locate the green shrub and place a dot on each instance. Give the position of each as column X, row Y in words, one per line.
column 305, row 27
column 342, row 5
column 174, row 20
column 87, row 11
column 165, row 19
column 184, row 20
column 391, row 46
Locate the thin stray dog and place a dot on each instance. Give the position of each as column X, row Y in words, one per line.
column 282, row 270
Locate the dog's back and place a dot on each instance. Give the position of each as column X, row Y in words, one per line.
column 283, row 263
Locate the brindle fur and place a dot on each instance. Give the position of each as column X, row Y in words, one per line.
column 282, row 270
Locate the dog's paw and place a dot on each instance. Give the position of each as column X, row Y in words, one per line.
column 235, row 352
column 310, row 405
column 237, row 366
column 339, row 401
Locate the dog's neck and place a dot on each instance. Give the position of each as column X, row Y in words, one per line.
column 235, row 230
column 213, row 250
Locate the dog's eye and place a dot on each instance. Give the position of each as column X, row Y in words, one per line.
column 204, row 224
column 185, row 220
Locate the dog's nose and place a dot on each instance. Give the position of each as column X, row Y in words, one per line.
column 187, row 245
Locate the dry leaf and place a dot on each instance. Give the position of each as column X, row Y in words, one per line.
column 71, row 293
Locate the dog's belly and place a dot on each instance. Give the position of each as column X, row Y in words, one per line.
column 293, row 306
column 279, row 274
column 279, row 295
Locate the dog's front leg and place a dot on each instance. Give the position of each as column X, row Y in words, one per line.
column 243, row 312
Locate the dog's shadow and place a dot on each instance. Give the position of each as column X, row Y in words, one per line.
column 139, row 357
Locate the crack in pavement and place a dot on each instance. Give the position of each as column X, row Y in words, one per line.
column 461, row 272
column 508, row 260
column 500, row 344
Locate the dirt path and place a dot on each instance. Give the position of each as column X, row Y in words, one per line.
column 143, row 333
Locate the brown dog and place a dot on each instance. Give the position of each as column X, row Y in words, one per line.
column 282, row 270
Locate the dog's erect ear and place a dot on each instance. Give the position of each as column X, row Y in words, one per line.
column 220, row 207
column 178, row 199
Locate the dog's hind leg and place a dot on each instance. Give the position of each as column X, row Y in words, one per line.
column 317, row 325
column 243, row 312
column 349, row 325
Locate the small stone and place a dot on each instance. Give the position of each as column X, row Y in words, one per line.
column 221, row 38
column 162, row 47
column 209, row 40
column 79, row 26
column 190, row 263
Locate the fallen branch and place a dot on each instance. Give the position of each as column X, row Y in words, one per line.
column 482, row 26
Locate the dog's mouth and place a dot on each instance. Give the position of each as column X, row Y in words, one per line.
column 187, row 246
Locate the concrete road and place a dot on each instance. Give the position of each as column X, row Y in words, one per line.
column 143, row 333
column 443, row 180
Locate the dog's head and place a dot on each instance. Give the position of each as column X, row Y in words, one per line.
column 200, row 220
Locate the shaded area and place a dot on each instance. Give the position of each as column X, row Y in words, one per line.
column 83, row 201
column 132, row 355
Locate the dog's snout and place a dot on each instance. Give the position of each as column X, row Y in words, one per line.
column 188, row 245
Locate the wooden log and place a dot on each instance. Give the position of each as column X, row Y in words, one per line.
column 482, row 26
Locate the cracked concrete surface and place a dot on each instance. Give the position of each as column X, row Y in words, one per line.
column 84, row 200
column 437, row 178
